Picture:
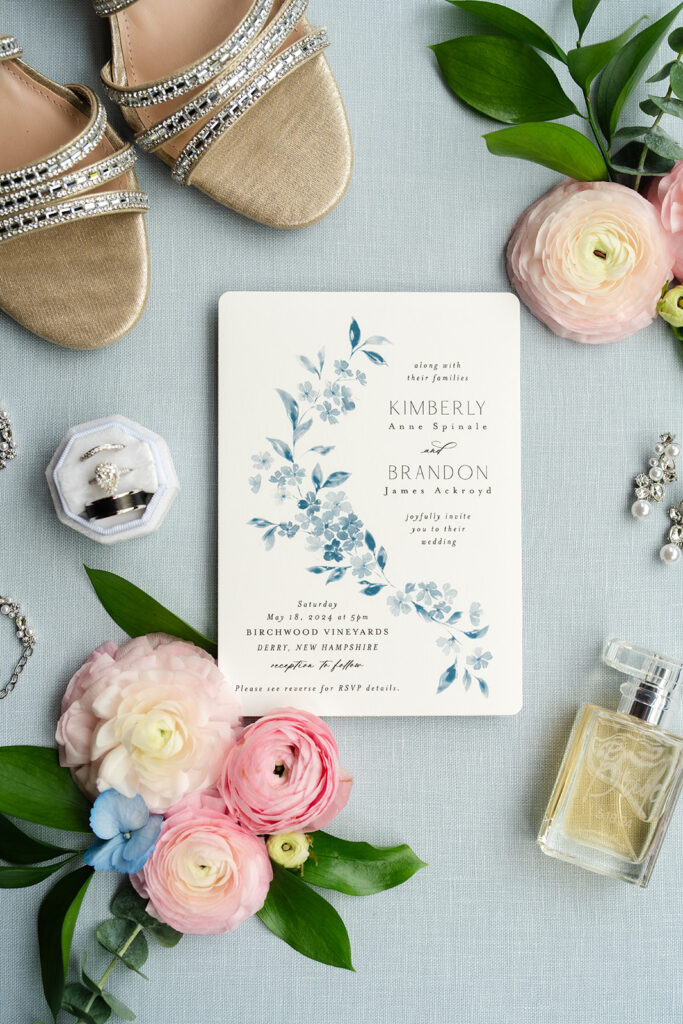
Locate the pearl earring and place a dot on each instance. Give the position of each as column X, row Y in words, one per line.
column 650, row 487
column 671, row 552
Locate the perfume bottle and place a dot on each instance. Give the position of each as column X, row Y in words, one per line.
column 621, row 773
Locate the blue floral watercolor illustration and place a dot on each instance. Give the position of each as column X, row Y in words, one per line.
column 320, row 511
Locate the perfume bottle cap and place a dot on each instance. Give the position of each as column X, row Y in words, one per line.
column 650, row 691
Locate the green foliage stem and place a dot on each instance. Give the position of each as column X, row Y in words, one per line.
column 655, row 123
column 116, row 959
column 596, row 132
column 506, row 78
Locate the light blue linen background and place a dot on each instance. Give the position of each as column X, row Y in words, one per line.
column 492, row 932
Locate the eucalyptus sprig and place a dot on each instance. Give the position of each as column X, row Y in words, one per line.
column 505, row 77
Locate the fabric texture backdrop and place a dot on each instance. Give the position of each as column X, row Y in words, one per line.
column 491, row 932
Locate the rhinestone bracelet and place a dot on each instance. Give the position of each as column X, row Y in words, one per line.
column 27, row 639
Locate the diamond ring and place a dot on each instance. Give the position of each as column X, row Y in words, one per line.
column 101, row 448
column 107, row 476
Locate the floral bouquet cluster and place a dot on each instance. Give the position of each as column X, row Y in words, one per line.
column 594, row 258
column 212, row 822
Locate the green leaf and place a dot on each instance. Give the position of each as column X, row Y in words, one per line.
column 127, row 904
column 514, row 24
column 659, row 76
column 675, row 40
column 358, row 869
column 648, row 107
column 77, row 997
column 502, row 78
column 583, row 12
column 655, row 139
column 635, row 132
column 129, row 945
column 656, row 103
column 626, row 69
column 20, row 877
column 34, row 787
column 586, row 62
column 56, row 922
column 305, row 921
column 553, row 145
column 677, row 79
column 627, row 161
column 662, row 144
column 17, row 847
column 119, row 1008
column 90, row 983
column 137, row 613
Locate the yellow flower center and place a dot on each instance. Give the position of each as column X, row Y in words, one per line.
column 156, row 733
column 603, row 252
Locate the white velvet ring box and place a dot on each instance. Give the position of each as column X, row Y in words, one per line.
column 150, row 466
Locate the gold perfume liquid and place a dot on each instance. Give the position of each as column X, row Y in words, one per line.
column 620, row 776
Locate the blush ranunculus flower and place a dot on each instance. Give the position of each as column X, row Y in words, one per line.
column 666, row 195
column 590, row 260
column 283, row 775
column 206, row 874
column 153, row 717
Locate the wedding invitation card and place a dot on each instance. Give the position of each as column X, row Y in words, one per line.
column 369, row 502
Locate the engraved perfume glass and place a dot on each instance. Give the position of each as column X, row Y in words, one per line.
column 621, row 773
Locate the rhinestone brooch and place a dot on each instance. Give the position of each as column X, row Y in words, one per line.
column 662, row 471
column 8, row 449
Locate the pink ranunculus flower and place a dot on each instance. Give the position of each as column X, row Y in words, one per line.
column 153, row 717
column 283, row 775
column 590, row 260
column 207, row 874
column 666, row 195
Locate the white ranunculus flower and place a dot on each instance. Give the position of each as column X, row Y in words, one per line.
column 153, row 717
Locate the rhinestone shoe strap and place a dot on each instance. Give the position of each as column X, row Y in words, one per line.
column 9, row 48
column 106, row 7
column 72, row 184
column 65, row 159
column 228, row 83
column 65, row 213
column 263, row 82
column 197, row 74
column 28, row 196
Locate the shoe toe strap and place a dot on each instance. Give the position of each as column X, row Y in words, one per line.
column 268, row 77
column 9, row 48
column 247, row 65
column 195, row 75
column 228, row 82
column 53, row 191
column 107, row 7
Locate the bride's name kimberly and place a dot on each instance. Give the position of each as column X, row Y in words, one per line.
column 436, row 407
column 453, row 414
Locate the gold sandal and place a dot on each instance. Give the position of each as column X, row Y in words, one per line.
column 83, row 283
column 254, row 118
